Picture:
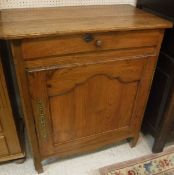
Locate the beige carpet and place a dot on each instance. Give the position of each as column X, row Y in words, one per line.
column 161, row 164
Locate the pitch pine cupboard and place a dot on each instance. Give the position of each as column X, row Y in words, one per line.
column 84, row 74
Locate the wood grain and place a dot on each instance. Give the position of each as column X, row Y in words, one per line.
column 54, row 46
column 90, row 94
column 3, row 147
column 10, row 147
column 63, row 80
column 27, row 23
column 26, row 103
column 88, row 58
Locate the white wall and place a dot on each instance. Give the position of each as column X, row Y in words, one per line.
column 4, row 4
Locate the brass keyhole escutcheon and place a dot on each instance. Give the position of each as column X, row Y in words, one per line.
column 88, row 38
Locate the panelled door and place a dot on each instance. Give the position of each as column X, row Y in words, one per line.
column 78, row 107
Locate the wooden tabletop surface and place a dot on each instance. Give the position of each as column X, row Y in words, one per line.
column 36, row 22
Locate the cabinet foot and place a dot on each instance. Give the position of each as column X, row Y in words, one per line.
column 133, row 141
column 20, row 161
column 38, row 167
column 158, row 146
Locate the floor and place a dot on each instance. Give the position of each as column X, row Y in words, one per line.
column 85, row 164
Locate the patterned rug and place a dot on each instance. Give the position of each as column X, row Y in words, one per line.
column 161, row 164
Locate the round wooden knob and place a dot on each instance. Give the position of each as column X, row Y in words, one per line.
column 98, row 43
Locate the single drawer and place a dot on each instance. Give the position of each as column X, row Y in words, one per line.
column 54, row 46
column 3, row 146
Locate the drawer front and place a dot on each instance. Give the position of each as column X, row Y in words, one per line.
column 45, row 47
column 3, row 146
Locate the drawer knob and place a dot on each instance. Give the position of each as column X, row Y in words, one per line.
column 98, row 43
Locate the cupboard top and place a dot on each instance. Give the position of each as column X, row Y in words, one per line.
column 37, row 22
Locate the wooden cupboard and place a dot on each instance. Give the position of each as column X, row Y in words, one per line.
column 84, row 82
column 10, row 139
column 159, row 115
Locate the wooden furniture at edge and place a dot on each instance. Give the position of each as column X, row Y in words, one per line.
column 159, row 115
column 11, row 147
column 84, row 74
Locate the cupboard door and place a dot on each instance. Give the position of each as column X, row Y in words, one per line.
column 76, row 106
